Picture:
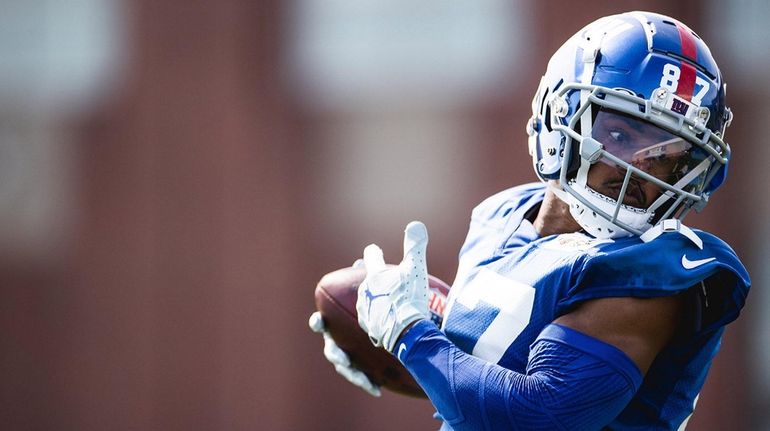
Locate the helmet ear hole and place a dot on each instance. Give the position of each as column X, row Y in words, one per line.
column 547, row 117
column 574, row 162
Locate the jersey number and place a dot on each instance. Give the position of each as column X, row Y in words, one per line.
column 512, row 303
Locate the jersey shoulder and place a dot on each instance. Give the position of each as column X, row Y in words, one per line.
column 495, row 221
column 667, row 265
column 497, row 208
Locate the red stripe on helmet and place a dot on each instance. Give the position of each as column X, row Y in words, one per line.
column 689, row 51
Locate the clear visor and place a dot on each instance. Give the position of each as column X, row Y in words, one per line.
column 645, row 147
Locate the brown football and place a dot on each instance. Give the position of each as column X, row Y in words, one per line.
column 335, row 298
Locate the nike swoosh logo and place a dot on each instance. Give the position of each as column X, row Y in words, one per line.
column 401, row 349
column 690, row 264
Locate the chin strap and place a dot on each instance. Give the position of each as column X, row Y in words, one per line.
column 671, row 225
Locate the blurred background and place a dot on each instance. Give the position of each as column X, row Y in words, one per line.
column 175, row 177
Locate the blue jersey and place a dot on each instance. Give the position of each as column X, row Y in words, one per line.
column 511, row 284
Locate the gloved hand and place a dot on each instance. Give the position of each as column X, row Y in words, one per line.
column 340, row 359
column 390, row 299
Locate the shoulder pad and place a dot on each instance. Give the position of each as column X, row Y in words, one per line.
column 667, row 265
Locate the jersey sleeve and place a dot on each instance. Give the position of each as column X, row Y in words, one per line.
column 572, row 381
column 668, row 265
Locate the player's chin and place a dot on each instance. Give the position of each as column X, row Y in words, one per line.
column 635, row 201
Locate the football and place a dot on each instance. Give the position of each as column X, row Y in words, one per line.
column 335, row 298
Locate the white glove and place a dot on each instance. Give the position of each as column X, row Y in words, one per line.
column 392, row 298
column 340, row 359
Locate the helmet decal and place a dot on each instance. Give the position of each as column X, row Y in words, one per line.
column 687, row 75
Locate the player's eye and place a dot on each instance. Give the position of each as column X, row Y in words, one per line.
column 618, row 136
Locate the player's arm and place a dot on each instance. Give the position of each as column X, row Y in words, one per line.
column 638, row 327
column 582, row 370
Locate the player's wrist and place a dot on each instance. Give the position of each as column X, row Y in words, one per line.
column 406, row 316
column 413, row 336
column 406, row 330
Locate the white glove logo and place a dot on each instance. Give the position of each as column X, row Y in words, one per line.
column 371, row 297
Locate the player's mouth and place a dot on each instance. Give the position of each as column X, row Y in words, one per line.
column 634, row 195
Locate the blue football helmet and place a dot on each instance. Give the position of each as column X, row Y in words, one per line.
column 637, row 94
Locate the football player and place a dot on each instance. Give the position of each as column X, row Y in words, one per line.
column 582, row 302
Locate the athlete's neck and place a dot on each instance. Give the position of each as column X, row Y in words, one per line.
column 554, row 217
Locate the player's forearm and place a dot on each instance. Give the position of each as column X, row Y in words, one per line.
column 565, row 386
